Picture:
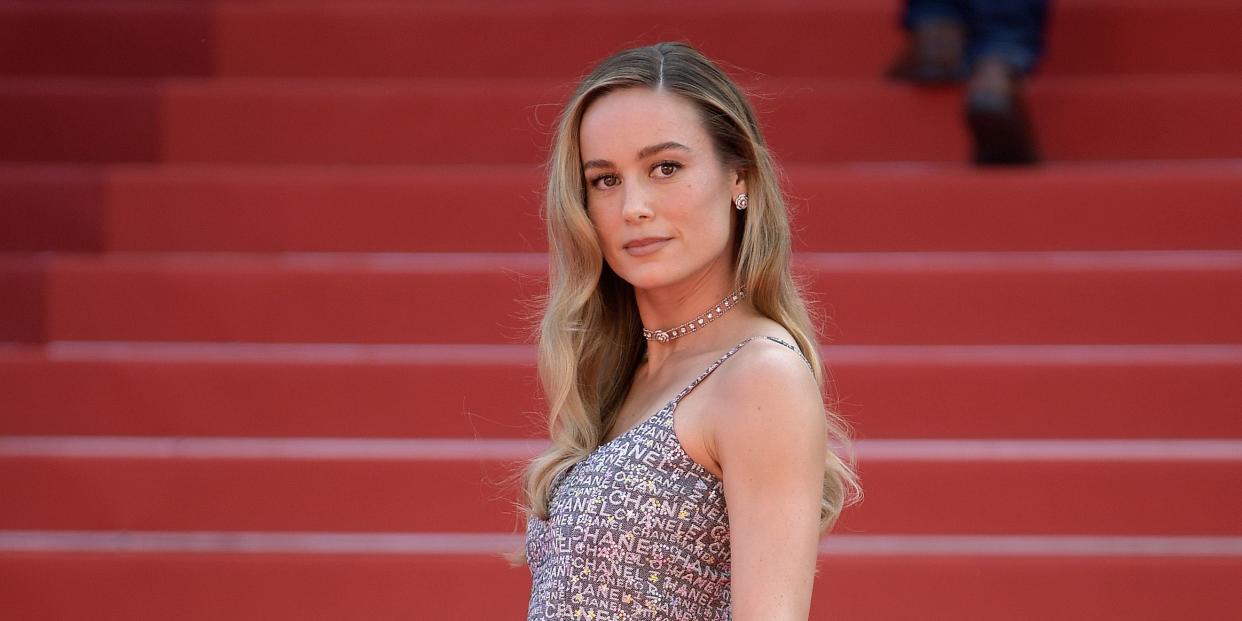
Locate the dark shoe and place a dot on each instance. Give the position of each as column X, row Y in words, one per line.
column 934, row 54
column 997, row 116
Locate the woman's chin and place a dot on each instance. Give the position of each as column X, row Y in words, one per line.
column 648, row 280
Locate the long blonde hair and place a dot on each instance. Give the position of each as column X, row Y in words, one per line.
column 589, row 336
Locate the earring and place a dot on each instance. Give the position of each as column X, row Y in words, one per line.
column 741, row 201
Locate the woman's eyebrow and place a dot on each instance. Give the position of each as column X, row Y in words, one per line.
column 663, row 146
column 642, row 153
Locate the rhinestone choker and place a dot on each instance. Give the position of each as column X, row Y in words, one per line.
column 693, row 325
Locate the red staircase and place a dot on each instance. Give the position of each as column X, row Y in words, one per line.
column 265, row 353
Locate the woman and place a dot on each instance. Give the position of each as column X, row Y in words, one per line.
column 670, row 255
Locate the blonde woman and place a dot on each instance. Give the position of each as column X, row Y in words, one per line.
column 691, row 469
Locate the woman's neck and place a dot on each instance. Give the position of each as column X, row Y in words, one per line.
column 711, row 337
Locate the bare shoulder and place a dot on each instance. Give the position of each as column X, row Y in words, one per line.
column 764, row 369
column 773, row 403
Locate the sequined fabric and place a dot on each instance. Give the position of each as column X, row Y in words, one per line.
column 636, row 531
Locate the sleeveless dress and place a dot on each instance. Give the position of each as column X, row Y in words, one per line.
column 637, row 530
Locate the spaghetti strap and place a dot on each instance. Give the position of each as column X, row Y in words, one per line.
column 795, row 350
column 786, row 344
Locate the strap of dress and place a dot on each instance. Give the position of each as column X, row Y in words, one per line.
column 792, row 347
column 685, row 391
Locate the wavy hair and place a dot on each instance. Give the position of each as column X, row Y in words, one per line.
column 589, row 335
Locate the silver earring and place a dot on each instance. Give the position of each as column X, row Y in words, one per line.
column 741, row 201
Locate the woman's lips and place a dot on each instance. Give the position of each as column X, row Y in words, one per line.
column 646, row 248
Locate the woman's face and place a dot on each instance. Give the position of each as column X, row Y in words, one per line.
column 651, row 172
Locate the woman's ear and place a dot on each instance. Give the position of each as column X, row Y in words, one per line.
column 739, row 181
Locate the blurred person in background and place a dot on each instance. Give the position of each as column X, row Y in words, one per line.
column 993, row 45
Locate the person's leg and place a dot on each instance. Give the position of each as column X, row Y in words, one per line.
column 936, row 49
column 1009, row 29
column 1006, row 44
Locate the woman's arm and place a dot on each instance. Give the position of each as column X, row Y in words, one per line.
column 771, row 444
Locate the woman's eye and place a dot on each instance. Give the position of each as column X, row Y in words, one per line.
column 604, row 181
column 666, row 169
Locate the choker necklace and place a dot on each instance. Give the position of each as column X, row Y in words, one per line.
column 693, row 325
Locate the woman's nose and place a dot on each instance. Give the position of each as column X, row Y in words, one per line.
column 637, row 203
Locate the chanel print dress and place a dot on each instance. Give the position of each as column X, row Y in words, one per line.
column 636, row 531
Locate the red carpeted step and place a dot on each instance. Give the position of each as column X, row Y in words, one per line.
column 115, row 38
column 546, row 38
column 23, row 297
column 420, row 391
column 507, row 121
column 868, row 298
column 432, row 298
column 57, row 120
column 489, row 391
column 858, row 586
column 1082, row 206
column 919, row 486
column 58, row 208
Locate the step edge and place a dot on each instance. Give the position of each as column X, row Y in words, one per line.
column 524, row 354
column 372, row 86
column 535, row 263
column 1143, row 169
column 267, row 542
column 507, row 449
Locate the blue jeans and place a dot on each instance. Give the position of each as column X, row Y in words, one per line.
column 1012, row 29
